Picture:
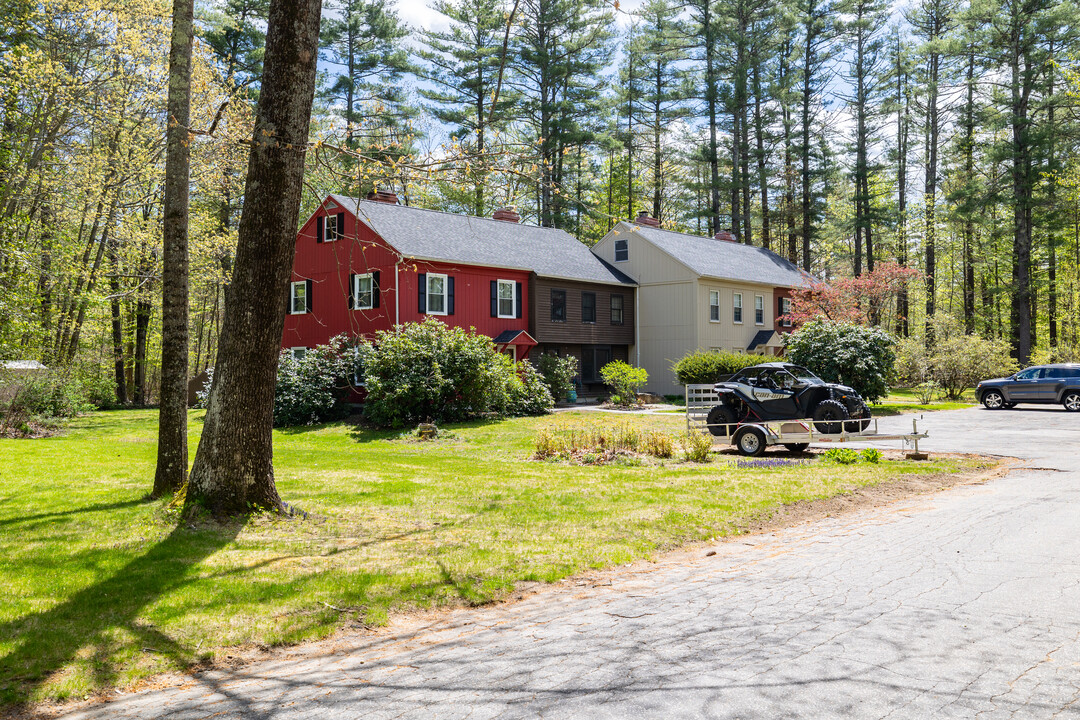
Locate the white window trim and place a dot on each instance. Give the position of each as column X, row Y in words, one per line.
column 445, row 294
column 328, row 235
column 785, row 309
column 356, row 292
column 759, row 299
column 616, row 250
column 298, row 352
column 736, row 305
column 513, row 298
column 292, row 298
column 716, row 294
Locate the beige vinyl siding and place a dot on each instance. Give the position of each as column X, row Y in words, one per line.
column 726, row 334
column 645, row 261
column 667, row 331
column 666, row 324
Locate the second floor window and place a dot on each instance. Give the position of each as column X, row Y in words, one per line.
column 558, row 306
column 300, row 297
column 588, row 307
column 616, row 309
column 622, row 250
column 736, row 308
column 785, row 309
column 714, row 306
column 759, row 310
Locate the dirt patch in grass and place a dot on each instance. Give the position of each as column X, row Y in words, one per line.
column 30, row 430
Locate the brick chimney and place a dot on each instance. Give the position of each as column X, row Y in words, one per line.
column 725, row 235
column 643, row 218
column 383, row 196
column 507, row 214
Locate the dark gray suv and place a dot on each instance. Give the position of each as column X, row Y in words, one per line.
column 1049, row 384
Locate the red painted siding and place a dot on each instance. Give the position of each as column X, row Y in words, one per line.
column 329, row 264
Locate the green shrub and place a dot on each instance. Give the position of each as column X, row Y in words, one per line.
column 841, row 456
column 854, row 355
column 954, row 363
column 52, row 395
column 871, row 455
column 624, row 381
column 711, row 367
column 428, row 372
column 523, row 390
column 558, row 374
column 697, row 446
column 313, row 389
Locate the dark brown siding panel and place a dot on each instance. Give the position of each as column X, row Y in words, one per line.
column 573, row 331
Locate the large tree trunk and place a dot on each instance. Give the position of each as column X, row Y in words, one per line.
column 117, row 324
column 233, row 470
column 172, row 457
column 1020, row 315
column 759, row 141
column 903, row 327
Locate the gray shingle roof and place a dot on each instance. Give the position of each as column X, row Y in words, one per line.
column 725, row 260
column 434, row 235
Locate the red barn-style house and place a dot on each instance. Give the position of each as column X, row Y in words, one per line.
column 367, row 265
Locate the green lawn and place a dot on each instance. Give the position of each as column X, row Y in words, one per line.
column 904, row 400
column 102, row 587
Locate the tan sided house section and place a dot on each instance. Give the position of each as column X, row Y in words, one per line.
column 697, row 293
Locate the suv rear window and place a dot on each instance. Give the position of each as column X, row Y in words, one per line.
column 1060, row 372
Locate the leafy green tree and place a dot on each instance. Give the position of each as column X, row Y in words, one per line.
column 854, row 355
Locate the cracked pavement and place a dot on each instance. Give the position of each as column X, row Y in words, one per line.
column 960, row 604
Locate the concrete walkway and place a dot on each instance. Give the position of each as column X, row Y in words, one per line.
column 964, row 604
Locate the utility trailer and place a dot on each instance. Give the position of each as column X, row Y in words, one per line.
column 752, row 437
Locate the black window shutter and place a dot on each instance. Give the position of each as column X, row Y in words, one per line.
column 307, row 298
column 340, row 225
column 375, row 289
column 517, row 299
column 352, row 290
column 494, row 298
column 450, row 296
column 319, row 222
column 421, row 293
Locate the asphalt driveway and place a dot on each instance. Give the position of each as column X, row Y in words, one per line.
column 964, row 604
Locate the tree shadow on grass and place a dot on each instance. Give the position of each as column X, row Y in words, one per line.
column 101, row 507
column 86, row 623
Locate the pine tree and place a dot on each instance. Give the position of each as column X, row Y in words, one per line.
column 363, row 40
column 463, row 64
column 863, row 27
column 560, row 48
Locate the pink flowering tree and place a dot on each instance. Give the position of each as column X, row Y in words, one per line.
column 868, row 299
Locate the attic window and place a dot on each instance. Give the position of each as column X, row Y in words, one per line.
column 622, row 250
column 331, row 228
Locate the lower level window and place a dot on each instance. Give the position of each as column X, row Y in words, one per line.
column 298, row 353
column 299, row 302
column 592, row 360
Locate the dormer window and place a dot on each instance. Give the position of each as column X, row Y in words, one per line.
column 622, row 250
